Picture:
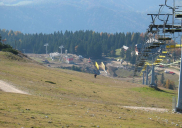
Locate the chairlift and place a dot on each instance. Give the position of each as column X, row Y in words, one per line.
column 162, row 56
column 164, row 38
column 142, row 60
column 178, row 16
column 174, row 46
column 146, row 51
column 165, row 52
column 164, row 26
column 152, row 46
column 172, row 30
column 145, row 54
column 159, row 59
column 159, row 43
column 155, row 63
column 140, row 63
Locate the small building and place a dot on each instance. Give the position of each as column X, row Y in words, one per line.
column 68, row 59
column 53, row 55
column 125, row 47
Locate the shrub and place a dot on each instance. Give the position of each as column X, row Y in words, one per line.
column 75, row 68
column 10, row 50
column 170, row 84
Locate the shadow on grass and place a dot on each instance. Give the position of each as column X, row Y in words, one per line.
column 154, row 91
column 50, row 82
column 160, row 90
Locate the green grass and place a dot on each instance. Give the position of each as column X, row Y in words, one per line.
column 176, row 68
column 174, row 78
column 152, row 92
column 77, row 99
column 124, row 73
column 118, row 52
column 32, row 111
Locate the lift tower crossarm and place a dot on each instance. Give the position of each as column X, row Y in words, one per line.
column 159, row 14
column 152, row 15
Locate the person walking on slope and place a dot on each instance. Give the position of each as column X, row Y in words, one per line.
column 95, row 75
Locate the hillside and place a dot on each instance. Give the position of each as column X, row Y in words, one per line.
column 64, row 98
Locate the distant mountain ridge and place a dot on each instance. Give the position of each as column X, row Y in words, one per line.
column 96, row 15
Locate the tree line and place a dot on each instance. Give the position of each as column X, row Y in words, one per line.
column 86, row 43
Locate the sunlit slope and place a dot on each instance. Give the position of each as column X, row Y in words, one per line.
column 73, row 99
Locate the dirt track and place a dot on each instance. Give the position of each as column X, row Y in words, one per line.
column 173, row 70
column 147, row 108
column 9, row 88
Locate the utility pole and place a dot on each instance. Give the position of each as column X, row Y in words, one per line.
column 152, row 84
column 179, row 104
column 46, row 48
column 143, row 77
column 147, row 75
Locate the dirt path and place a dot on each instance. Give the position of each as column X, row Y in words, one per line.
column 173, row 70
column 147, row 108
column 9, row 88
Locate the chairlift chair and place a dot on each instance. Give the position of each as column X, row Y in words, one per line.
column 172, row 30
column 164, row 38
column 178, row 16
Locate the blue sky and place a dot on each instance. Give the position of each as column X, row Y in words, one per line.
column 20, row 2
column 27, row 2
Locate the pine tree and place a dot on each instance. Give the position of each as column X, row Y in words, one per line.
column 0, row 38
column 128, row 39
column 172, row 85
column 122, row 53
column 128, row 55
column 88, row 43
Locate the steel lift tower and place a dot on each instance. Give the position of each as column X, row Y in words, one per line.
column 179, row 103
column 46, row 45
column 61, row 47
column 152, row 48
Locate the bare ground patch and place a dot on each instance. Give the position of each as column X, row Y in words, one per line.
column 9, row 88
column 147, row 108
